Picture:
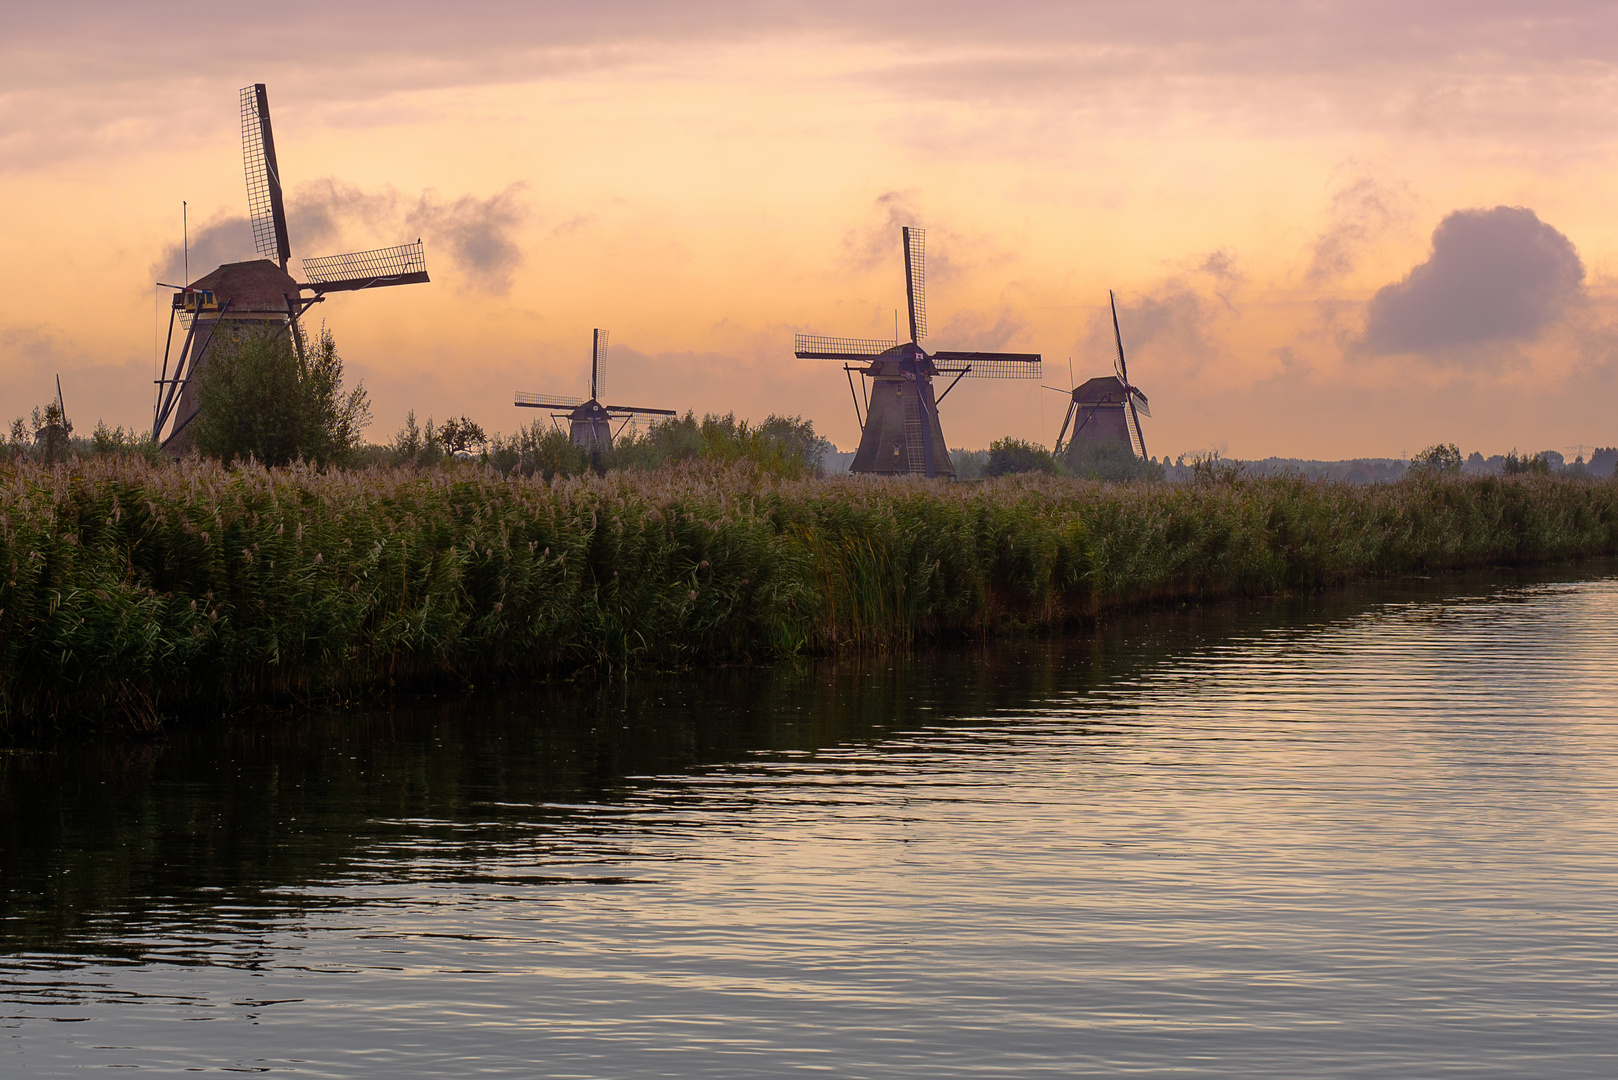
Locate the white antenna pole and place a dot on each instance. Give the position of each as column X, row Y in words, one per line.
column 185, row 241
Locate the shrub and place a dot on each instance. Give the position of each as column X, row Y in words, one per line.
column 1525, row 465
column 1439, row 458
column 1113, row 461
column 259, row 398
column 1010, row 456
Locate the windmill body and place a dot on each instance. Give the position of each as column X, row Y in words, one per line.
column 900, row 433
column 901, row 417
column 258, row 295
column 1108, row 408
column 589, row 423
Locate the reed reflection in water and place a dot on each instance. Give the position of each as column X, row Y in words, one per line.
column 1364, row 835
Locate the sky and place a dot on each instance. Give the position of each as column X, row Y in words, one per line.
column 1334, row 229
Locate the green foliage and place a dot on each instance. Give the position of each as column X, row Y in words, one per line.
column 1009, row 456
column 1208, row 469
column 969, row 464
column 460, row 436
column 53, row 433
column 784, row 446
column 1107, row 460
column 539, row 449
column 258, row 399
column 1439, row 458
column 1525, row 465
column 133, row 592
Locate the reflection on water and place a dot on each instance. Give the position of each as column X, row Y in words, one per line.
column 1365, row 835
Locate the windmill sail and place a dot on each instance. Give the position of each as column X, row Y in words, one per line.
column 1134, row 398
column 598, row 366
column 402, row 265
column 546, row 401
column 916, row 281
column 816, row 347
column 990, row 365
column 265, row 209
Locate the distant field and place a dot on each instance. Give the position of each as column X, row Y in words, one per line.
column 136, row 593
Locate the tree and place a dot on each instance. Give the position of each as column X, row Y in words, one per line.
column 1439, row 458
column 1008, row 456
column 1105, row 460
column 1526, row 464
column 458, row 435
column 259, row 398
column 52, row 432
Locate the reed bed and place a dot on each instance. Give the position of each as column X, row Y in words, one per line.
column 135, row 592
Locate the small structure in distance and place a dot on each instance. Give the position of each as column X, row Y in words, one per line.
column 1107, row 408
column 590, row 422
column 900, row 432
column 259, row 294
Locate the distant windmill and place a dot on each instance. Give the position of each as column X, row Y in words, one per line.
column 1108, row 408
column 900, row 432
column 590, row 422
column 258, row 295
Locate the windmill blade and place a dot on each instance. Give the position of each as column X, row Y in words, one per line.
column 1136, row 436
column 1138, row 400
column 639, row 409
column 546, row 401
column 815, row 347
column 916, row 280
column 598, row 366
column 1119, row 365
column 990, row 365
column 402, row 265
column 264, row 207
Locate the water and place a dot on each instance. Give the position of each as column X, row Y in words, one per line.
column 1365, row 835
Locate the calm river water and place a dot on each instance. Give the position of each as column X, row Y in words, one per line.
column 1366, row 835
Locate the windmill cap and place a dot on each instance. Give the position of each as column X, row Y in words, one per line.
column 1102, row 390
column 257, row 285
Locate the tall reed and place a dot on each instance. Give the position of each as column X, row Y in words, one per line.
column 132, row 592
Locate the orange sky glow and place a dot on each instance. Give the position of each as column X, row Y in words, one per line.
column 1298, row 212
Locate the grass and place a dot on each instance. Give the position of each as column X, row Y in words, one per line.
column 133, row 593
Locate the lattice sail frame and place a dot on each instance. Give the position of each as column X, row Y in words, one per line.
column 915, row 241
column 598, row 365
column 262, row 181
column 388, row 262
column 990, row 365
column 547, row 401
column 812, row 346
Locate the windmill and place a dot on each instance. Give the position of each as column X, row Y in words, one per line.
column 1108, row 408
column 900, row 432
column 259, row 295
column 590, row 422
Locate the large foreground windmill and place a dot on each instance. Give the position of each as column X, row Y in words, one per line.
column 900, row 432
column 590, row 422
column 1107, row 408
column 259, row 295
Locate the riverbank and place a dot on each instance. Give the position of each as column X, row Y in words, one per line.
column 135, row 593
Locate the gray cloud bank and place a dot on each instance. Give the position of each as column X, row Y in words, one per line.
column 74, row 75
column 1494, row 277
column 477, row 235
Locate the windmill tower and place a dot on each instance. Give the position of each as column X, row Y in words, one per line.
column 258, row 295
column 900, row 432
column 590, row 422
column 1107, row 408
